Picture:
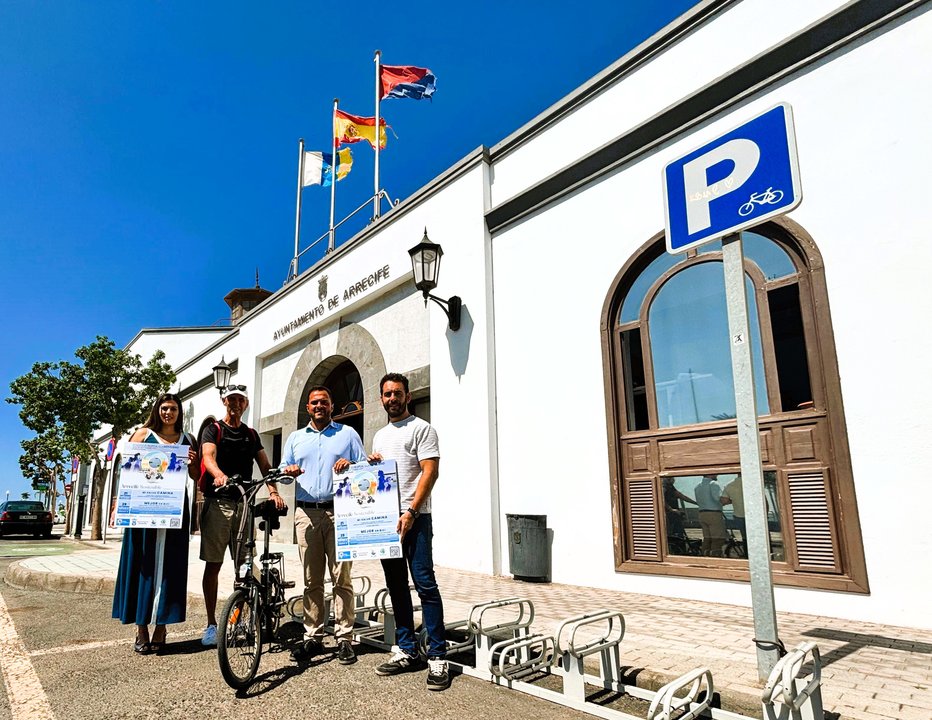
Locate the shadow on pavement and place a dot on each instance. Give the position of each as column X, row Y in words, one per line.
column 855, row 641
column 272, row 679
column 185, row 647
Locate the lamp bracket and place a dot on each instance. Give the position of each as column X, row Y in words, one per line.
column 452, row 308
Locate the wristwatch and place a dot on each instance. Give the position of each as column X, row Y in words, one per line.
column 414, row 513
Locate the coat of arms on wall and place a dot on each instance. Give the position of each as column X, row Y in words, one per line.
column 322, row 288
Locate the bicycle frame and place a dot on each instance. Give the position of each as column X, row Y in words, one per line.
column 269, row 584
column 241, row 635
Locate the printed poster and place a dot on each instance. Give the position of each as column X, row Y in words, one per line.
column 152, row 484
column 366, row 508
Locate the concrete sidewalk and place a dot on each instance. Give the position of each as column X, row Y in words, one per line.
column 869, row 671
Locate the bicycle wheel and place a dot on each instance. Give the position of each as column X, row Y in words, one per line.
column 239, row 640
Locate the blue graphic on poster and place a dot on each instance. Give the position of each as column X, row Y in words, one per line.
column 366, row 507
column 152, row 485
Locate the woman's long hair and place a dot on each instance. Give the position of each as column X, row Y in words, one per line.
column 155, row 421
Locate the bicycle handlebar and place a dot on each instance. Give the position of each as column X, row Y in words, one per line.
column 245, row 484
column 275, row 475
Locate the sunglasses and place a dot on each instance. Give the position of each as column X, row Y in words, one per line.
column 236, row 387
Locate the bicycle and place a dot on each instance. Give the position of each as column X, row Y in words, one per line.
column 252, row 613
column 767, row 197
column 733, row 547
column 683, row 545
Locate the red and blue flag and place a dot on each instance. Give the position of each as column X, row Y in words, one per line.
column 406, row 81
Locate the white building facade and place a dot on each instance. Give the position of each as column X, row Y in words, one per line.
column 587, row 382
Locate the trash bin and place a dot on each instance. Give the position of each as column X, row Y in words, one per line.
column 528, row 547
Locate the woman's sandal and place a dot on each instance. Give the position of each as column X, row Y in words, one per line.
column 143, row 648
column 156, row 646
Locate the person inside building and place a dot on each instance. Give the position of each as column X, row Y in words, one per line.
column 152, row 579
column 711, row 518
column 230, row 447
column 312, row 454
column 413, row 444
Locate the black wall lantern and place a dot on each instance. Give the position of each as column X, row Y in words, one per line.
column 425, row 261
column 222, row 373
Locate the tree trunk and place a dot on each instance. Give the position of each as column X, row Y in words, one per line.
column 68, row 505
column 97, row 496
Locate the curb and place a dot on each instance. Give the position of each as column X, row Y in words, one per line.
column 23, row 578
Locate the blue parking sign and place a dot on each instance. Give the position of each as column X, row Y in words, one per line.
column 740, row 179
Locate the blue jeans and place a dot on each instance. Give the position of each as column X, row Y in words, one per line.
column 418, row 555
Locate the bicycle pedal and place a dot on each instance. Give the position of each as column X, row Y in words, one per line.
column 288, row 584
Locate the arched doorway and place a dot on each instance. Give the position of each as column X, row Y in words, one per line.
column 345, row 385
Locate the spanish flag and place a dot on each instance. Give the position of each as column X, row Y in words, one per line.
column 352, row 128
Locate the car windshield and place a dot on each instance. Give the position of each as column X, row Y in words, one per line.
column 25, row 507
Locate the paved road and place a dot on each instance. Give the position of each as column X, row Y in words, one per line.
column 64, row 652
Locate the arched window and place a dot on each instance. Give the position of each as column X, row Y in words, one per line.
column 678, row 505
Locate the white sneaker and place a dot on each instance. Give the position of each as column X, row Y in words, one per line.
column 209, row 638
column 438, row 674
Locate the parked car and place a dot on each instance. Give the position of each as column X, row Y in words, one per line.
column 25, row 517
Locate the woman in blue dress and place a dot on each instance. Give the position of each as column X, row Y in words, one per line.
column 152, row 581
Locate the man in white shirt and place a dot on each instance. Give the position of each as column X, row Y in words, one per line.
column 711, row 520
column 412, row 443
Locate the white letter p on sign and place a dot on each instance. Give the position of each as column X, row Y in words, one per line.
column 745, row 154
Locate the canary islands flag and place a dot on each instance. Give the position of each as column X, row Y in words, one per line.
column 318, row 167
column 352, row 128
column 406, row 81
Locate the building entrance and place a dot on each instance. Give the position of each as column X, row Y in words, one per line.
column 345, row 387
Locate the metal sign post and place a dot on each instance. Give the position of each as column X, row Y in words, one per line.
column 752, row 476
column 737, row 181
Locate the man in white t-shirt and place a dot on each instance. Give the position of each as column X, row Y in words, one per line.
column 412, row 443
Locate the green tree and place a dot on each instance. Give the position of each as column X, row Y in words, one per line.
column 107, row 386
column 44, row 460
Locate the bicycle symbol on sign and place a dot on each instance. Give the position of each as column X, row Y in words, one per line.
column 767, row 197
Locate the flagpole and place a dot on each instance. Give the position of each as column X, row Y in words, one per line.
column 378, row 99
column 297, row 213
column 331, row 242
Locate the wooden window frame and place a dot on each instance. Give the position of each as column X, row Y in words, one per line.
column 825, row 422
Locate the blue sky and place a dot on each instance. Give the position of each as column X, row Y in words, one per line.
column 148, row 150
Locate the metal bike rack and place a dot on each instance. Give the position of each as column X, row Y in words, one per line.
column 787, row 695
column 515, row 659
column 572, row 651
column 509, row 654
column 361, row 586
column 667, row 701
column 521, row 612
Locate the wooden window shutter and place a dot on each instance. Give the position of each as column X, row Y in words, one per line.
column 813, row 522
column 643, row 527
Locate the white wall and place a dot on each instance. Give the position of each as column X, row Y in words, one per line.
column 178, row 345
column 862, row 137
column 731, row 39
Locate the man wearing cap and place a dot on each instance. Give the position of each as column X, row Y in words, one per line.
column 229, row 448
column 313, row 453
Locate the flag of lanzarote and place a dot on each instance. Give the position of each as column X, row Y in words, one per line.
column 406, row 81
